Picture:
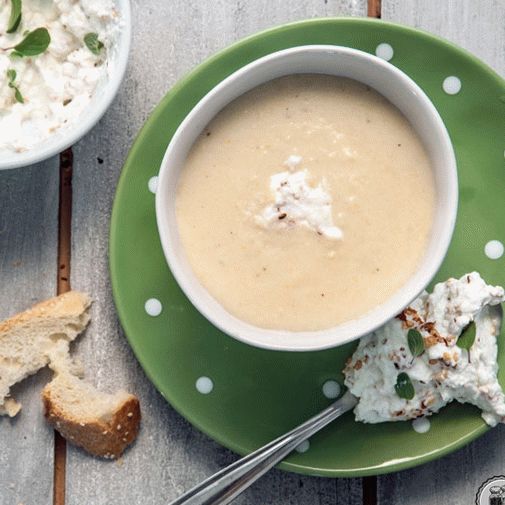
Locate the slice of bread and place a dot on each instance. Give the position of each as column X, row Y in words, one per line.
column 28, row 340
column 103, row 424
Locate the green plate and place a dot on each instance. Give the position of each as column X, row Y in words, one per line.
column 259, row 394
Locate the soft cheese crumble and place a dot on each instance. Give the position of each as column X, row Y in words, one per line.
column 57, row 85
column 443, row 372
column 297, row 203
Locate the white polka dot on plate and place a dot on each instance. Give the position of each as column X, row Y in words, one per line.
column 451, row 85
column 494, row 249
column 384, row 51
column 303, row 447
column 331, row 389
column 153, row 184
column 153, row 307
column 421, row 425
column 204, row 385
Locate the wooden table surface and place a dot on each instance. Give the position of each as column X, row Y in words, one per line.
column 170, row 37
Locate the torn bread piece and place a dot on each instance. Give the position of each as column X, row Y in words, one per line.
column 103, row 424
column 28, row 339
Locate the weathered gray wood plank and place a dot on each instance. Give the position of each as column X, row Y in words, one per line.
column 476, row 26
column 28, row 247
column 454, row 480
column 170, row 455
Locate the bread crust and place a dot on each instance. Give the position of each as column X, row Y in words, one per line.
column 106, row 439
column 71, row 304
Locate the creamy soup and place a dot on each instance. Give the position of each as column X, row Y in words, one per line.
column 305, row 203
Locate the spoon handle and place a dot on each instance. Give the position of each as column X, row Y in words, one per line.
column 225, row 485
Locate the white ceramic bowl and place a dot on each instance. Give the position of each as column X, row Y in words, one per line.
column 333, row 60
column 101, row 101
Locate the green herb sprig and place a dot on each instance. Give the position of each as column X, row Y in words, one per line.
column 15, row 17
column 416, row 343
column 35, row 42
column 11, row 79
column 93, row 43
column 404, row 387
column 467, row 338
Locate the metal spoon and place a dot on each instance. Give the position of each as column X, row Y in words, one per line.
column 225, row 485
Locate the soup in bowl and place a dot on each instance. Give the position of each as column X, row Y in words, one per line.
column 308, row 198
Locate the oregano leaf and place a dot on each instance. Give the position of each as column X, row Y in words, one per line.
column 35, row 43
column 15, row 17
column 11, row 78
column 93, row 43
column 11, row 75
column 404, row 387
column 18, row 96
column 467, row 336
column 416, row 342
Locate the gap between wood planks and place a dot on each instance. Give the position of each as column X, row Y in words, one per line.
column 63, row 285
column 369, row 484
column 374, row 8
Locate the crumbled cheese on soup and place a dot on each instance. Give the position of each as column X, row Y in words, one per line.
column 443, row 372
column 297, row 203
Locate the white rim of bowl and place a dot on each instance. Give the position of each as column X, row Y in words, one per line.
column 79, row 129
column 349, row 330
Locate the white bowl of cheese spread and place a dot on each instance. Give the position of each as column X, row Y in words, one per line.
column 303, row 207
column 50, row 100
